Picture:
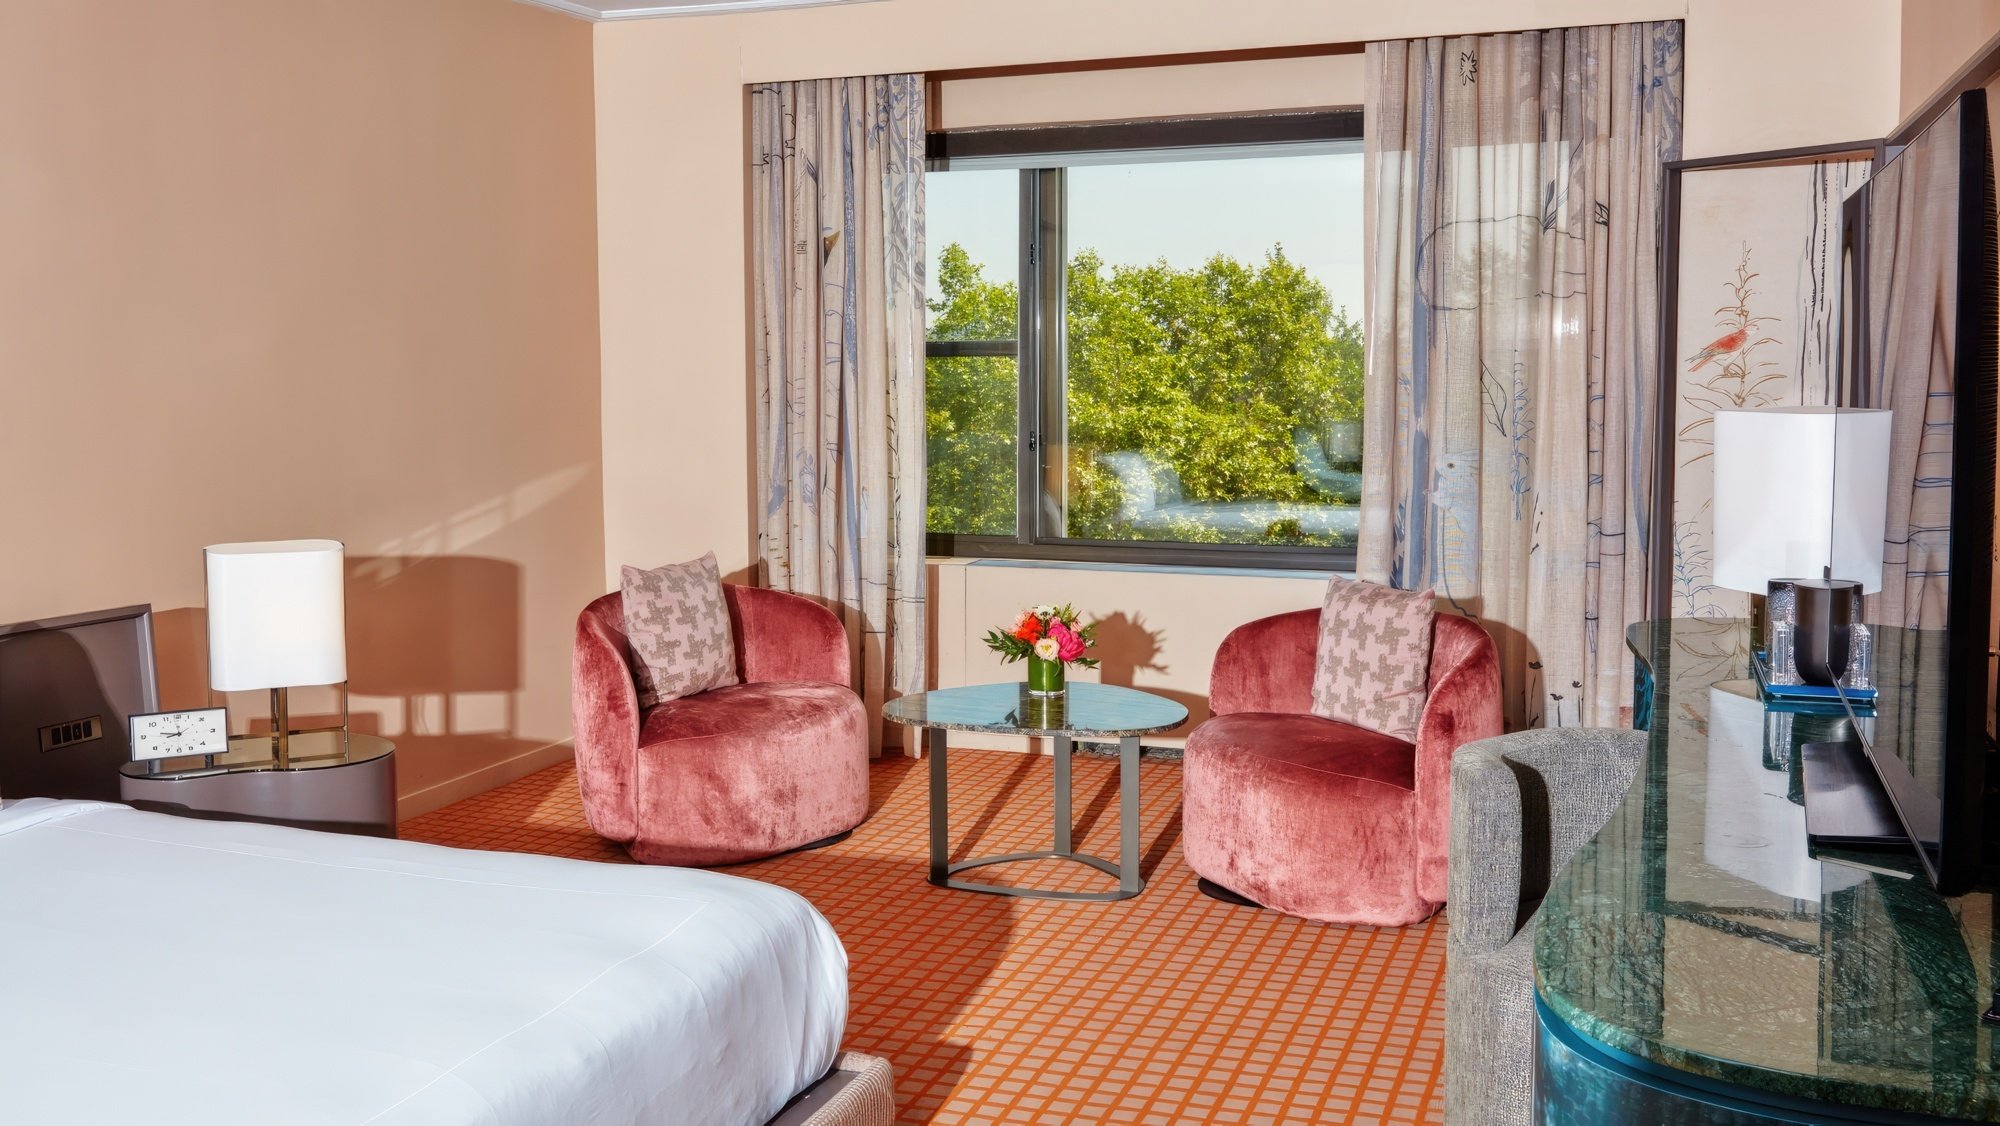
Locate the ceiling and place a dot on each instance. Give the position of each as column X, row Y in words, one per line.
column 650, row 9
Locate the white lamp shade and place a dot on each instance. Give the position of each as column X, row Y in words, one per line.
column 277, row 614
column 1797, row 490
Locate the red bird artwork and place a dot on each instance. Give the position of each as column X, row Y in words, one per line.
column 1721, row 347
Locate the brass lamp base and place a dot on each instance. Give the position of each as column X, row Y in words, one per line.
column 281, row 725
column 281, row 722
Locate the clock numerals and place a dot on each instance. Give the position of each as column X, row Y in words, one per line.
column 162, row 735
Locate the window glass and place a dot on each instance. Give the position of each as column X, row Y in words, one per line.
column 1192, row 375
column 972, row 395
column 1212, row 384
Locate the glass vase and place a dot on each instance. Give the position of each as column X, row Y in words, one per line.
column 1045, row 678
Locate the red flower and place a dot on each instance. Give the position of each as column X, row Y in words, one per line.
column 1029, row 631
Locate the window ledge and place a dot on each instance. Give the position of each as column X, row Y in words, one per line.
column 1139, row 568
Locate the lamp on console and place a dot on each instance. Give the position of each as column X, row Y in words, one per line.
column 1801, row 496
column 277, row 618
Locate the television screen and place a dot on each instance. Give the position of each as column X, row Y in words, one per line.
column 1923, row 346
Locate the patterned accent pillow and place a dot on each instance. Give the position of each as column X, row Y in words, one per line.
column 1373, row 668
column 678, row 626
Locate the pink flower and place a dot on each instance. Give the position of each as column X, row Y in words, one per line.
column 1047, row 649
column 1069, row 644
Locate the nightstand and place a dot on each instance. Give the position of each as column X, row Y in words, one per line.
column 337, row 782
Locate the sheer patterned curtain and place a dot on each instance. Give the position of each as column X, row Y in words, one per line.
column 837, row 264
column 1513, row 195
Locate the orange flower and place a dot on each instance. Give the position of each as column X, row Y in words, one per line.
column 1029, row 631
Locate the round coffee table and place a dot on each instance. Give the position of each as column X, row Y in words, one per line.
column 1100, row 710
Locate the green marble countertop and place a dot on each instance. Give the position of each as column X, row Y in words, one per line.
column 1696, row 933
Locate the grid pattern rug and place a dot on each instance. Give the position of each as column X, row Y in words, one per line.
column 1170, row 1007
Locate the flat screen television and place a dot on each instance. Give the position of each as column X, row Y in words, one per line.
column 1921, row 342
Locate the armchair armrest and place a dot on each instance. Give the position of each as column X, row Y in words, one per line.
column 1266, row 666
column 1522, row 805
column 604, row 708
column 782, row 636
column 1487, row 838
column 1463, row 706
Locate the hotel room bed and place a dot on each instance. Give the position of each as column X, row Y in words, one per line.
column 169, row 970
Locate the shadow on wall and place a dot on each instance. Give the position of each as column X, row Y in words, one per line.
column 433, row 658
column 434, row 643
column 1126, row 646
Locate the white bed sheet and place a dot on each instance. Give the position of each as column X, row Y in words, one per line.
column 161, row 969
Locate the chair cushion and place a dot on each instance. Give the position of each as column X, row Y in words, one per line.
column 678, row 626
column 1304, row 815
column 1374, row 657
column 765, row 708
column 1280, row 747
column 749, row 770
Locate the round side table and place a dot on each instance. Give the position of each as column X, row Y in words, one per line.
column 334, row 781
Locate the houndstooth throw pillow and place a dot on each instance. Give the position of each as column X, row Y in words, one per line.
column 1374, row 661
column 678, row 626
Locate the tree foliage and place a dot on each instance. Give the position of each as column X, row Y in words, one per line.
column 1221, row 379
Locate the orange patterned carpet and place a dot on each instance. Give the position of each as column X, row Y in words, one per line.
column 1170, row 1007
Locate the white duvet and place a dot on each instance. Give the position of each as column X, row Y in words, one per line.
column 157, row 969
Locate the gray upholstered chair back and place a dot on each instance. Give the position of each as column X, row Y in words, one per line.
column 1521, row 807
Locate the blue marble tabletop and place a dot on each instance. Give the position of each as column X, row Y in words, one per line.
column 1697, row 932
column 1009, row 709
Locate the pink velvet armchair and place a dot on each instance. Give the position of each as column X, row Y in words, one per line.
column 775, row 763
column 1318, row 818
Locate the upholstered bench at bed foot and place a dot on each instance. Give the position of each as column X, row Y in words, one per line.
column 860, row 1091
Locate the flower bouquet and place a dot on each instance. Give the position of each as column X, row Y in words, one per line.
column 1051, row 640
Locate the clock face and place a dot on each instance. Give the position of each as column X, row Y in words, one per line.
column 202, row 731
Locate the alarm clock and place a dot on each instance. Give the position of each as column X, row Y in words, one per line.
column 198, row 731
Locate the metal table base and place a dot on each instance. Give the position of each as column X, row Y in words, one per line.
column 1130, row 882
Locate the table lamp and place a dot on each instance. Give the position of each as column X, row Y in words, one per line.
column 1801, row 496
column 277, row 618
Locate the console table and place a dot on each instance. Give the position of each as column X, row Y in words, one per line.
column 1696, row 963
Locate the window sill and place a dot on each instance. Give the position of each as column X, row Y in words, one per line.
column 1138, row 568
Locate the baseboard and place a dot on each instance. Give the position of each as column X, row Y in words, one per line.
column 477, row 782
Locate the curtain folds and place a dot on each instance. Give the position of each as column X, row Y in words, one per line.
column 1513, row 203
column 837, row 264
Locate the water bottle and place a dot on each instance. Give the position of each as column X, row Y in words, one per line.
column 1860, row 658
column 1780, row 662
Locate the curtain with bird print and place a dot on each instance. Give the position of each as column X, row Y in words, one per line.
column 837, row 265
column 1513, row 196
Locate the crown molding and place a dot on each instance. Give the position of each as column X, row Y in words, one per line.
column 606, row 11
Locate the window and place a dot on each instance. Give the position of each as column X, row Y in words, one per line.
column 1145, row 342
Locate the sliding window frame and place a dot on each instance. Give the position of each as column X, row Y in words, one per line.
column 1040, row 346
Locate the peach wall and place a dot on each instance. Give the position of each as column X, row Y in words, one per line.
column 312, row 268
column 1253, row 86
column 671, row 184
column 1784, row 73
column 1938, row 37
